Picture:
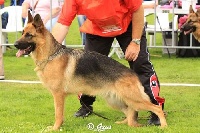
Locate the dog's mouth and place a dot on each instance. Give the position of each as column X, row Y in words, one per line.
column 24, row 48
column 190, row 30
column 187, row 32
column 186, row 28
column 24, row 51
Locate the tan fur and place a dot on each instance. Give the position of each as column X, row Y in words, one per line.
column 194, row 17
column 58, row 75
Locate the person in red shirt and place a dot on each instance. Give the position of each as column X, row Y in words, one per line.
column 1, row 4
column 107, row 20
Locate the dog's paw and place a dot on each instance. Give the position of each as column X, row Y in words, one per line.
column 50, row 129
column 122, row 122
column 47, row 129
column 138, row 125
column 163, row 126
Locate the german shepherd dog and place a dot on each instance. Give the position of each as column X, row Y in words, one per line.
column 192, row 25
column 71, row 71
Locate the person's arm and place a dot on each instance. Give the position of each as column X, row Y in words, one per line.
column 25, row 7
column 55, row 13
column 67, row 15
column 133, row 49
column 60, row 31
column 138, row 23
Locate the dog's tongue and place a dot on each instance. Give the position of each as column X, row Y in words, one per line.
column 20, row 52
column 187, row 32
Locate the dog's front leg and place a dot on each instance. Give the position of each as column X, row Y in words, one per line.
column 59, row 100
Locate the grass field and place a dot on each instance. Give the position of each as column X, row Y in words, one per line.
column 28, row 108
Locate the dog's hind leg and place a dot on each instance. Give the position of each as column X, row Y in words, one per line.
column 125, row 121
column 132, row 93
column 159, row 112
column 132, row 116
column 147, row 105
column 59, row 99
column 122, row 122
column 135, row 119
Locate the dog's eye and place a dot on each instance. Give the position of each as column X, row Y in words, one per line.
column 28, row 35
column 191, row 21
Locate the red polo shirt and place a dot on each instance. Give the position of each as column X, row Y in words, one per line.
column 1, row 2
column 104, row 17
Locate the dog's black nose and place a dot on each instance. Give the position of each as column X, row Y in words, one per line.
column 16, row 45
column 183, row 27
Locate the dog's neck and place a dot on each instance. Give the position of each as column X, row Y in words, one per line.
column 58, row 51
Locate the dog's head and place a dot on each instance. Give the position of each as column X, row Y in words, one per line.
column 27, row 43
column 192, row 24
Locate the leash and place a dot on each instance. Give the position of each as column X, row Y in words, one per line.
column 93, row 111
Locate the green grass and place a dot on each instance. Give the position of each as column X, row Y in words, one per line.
column 28, row 108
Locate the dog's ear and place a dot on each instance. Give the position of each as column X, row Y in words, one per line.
column 191, row 9
column 198, row 12
column 30, row 17
column 38, row 21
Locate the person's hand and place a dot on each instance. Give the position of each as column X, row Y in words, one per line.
column 132, row 51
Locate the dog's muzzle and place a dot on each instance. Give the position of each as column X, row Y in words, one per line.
column 187, row 28
column 24, row 48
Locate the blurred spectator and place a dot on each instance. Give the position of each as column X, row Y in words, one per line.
column 1, row 54
column 16, row 2
column 4, row 16
column 43, row 7
column 1, row 4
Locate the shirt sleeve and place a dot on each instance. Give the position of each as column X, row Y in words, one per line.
column 68, row 12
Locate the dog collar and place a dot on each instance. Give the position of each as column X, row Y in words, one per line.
column 59, row 51
column 43, row 63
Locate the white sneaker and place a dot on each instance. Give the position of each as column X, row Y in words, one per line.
column 2, row 77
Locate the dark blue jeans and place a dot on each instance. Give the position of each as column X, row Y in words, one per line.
column 4, row 19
